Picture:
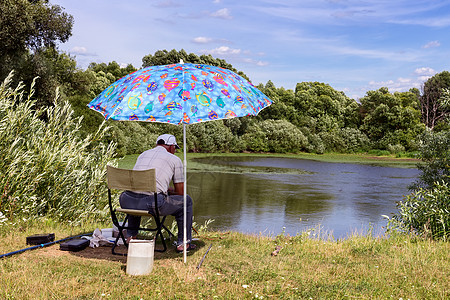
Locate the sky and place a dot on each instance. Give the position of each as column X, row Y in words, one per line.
column 354, row 46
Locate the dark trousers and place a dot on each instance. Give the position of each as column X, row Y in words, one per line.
column 167, row 205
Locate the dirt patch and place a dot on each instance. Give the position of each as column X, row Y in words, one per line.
column 105, row 253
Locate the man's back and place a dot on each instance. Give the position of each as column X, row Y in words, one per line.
column 167, row 167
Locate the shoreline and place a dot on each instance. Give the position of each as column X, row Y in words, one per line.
column 363, row 158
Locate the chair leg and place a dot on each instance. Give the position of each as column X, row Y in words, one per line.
column 121, row 235
column 168, row 231
column 159, row 227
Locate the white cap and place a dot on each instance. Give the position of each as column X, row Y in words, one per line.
column 168, row 139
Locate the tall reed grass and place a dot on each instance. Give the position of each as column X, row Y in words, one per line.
column 46, row 169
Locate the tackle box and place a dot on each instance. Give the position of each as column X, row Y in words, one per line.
column 74, row 245
column 38, row 239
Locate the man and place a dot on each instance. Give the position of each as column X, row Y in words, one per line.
column 168, row 167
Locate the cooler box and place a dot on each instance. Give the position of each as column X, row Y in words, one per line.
column 38, row 239
column 74, row 245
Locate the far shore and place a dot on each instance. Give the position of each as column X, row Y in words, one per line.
column 355, row 158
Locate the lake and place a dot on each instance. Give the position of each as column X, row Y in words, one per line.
column 266, row 195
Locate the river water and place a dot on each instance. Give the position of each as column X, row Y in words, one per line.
column 269, row 196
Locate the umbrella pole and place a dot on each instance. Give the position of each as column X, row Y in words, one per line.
column 184, row 195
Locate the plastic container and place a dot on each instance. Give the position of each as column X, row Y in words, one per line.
column 140, row 257
column 107, row 232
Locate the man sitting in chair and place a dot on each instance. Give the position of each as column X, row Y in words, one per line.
column 168, row 167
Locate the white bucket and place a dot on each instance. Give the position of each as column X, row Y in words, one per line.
column 140, row 257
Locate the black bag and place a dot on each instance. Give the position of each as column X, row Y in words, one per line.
column 74, row 245
column 38, row 239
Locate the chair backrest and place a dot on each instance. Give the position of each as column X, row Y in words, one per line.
column 132, row 180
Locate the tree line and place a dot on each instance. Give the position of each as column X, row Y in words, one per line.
column 313, row 117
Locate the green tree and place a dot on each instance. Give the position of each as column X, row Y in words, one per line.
column 282, row 107
column 28, row 32
column 52, row 69
column 390, row 119
column 433, row 106
column 112, row 69
column 84, row 86
column 164, row 57
column 323, row 108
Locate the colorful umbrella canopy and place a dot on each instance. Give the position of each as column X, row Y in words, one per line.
column 180, row 93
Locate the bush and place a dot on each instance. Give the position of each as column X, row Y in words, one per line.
column 333, row 141
column 435, row 153
column 394, row 149
column 279, row 136
column 426, row 212
column 354, row 140
column 211, row 137
column 46, row 168
column 315, row 143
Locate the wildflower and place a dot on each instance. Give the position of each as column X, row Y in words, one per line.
column 245, row 286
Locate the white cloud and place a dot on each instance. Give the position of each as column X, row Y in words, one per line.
column 223, row 13
column 398, row 85
column 202, row 40
column 237, row 55
column 208, row 40
column 256, row 62
column 77, row 50
column 432, row 44
column 424, row 78
column 424, row 71
column 224, row 50
column 401, row 84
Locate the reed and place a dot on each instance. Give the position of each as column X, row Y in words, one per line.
column 47, row 169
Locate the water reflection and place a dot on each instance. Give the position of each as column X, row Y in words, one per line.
column 342, row 198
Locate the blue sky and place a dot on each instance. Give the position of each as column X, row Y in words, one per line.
column 354, row 46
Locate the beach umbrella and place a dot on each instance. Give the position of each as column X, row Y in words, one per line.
column 178, row 94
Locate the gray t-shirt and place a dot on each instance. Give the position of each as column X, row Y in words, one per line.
column 168, row 167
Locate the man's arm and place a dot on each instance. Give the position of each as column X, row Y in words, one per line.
column 179, row 188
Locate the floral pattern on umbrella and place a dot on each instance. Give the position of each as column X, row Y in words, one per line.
column 180, row 93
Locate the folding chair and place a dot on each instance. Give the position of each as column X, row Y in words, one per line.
column 133, row 180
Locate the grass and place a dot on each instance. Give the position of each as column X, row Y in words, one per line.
column 238, row 266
